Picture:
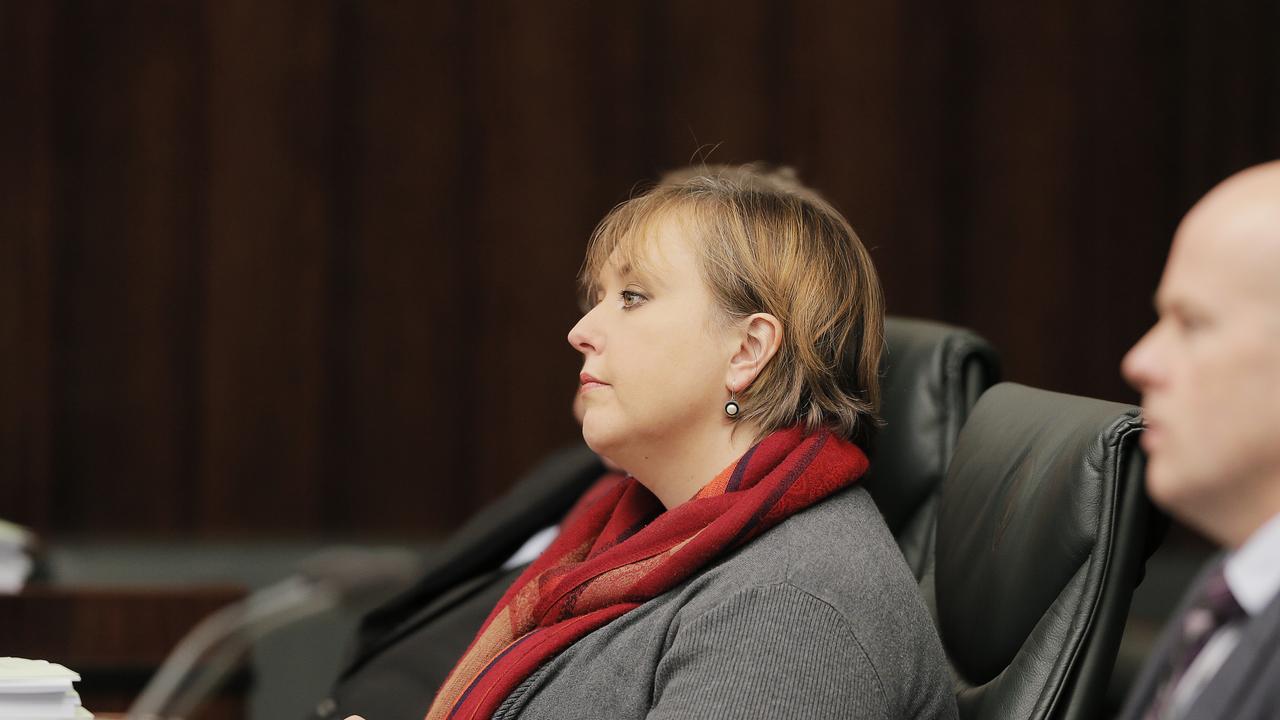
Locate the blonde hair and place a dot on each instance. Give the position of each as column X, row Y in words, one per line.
column 769, row 244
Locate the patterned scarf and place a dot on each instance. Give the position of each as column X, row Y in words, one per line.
column 618, row 549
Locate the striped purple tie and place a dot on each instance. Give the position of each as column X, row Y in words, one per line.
column 1215, row 607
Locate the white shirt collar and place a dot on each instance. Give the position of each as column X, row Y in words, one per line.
column 1253, row 571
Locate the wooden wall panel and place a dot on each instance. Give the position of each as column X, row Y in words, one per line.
column 26, row 243
column 402, row 391
column 859, row 109
column 1024, row 92
column 268, row 269
column 720, row 91
column 128, row 152
column 297, row 267
column 1227, row 63
column 1125, row 207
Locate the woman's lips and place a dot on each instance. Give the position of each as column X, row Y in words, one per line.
column 590, row 382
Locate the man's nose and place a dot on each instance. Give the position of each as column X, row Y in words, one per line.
column 1139, row 364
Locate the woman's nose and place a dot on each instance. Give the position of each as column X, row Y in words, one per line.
column 583, row 336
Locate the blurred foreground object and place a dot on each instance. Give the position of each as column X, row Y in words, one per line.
column 38, row 689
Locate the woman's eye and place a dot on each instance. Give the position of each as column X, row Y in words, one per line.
column 631, row 298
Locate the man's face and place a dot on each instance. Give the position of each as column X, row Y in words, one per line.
column 1209, row 370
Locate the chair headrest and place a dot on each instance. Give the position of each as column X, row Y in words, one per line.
column 932, row 374
column 1026, row 522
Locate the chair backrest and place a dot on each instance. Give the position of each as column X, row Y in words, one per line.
column 932, row 375
column 1041, row 538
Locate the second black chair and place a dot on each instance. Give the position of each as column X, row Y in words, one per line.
column 1041, row 538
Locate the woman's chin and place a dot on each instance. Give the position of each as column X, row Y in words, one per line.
column 603, row 441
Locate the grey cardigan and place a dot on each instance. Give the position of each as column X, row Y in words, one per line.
column 817, row 618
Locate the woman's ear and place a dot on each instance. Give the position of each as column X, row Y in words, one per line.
column 759, row 341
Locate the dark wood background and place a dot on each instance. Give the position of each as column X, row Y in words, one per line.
column 298, row 267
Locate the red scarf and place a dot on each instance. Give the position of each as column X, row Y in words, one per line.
column 618, row 549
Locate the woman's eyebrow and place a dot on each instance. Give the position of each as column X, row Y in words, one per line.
column 641, row 275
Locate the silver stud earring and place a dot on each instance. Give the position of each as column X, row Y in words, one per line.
column 731, row 408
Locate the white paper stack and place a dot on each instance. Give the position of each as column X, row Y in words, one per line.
column 15, row 557
column 38, row 690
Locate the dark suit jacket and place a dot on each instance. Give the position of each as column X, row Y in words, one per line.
column 1245, row 687
column 405, row 648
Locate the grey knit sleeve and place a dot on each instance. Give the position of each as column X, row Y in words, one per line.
column 767, row 652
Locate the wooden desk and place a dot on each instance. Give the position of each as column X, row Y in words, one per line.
column 115, row 637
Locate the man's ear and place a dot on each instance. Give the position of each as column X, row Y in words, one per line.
column 759, row 341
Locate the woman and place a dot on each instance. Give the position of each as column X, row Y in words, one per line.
column 730, row 344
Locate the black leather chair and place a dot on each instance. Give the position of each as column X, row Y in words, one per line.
column 1042, row 534
column 932, row 375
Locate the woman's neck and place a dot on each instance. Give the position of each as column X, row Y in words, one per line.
column 687, row 463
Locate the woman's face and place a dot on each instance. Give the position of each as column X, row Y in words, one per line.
column 655, row 353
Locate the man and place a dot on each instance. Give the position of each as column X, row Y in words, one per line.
column 1209, row 373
